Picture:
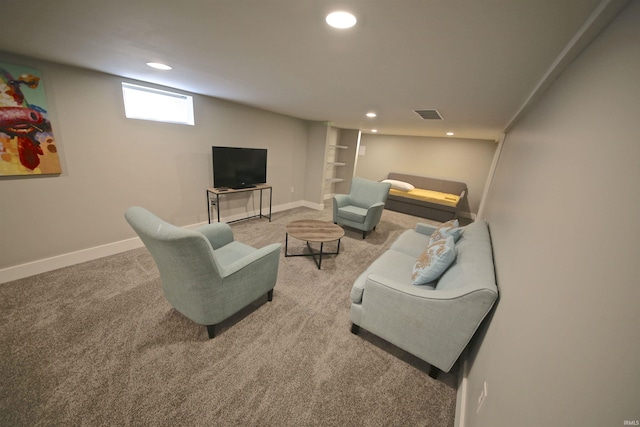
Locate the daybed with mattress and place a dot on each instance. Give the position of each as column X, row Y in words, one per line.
column 432, row 198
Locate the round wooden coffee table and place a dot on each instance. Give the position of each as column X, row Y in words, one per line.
column 314, row 231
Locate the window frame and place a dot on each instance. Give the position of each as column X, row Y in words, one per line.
column 134, row 110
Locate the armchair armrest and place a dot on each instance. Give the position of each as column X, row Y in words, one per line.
column 379, row 205
column 374, row 213
column 341, row 200
column 218, row 234
column 260, row 255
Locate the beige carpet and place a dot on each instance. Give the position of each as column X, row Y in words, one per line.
column 97, row 344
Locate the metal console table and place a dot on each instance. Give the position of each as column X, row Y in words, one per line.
column 217, row 192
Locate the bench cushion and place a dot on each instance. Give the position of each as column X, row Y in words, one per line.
column 425, row 195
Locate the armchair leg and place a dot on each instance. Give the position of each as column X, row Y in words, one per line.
column 364, row 234
column 211, row 331
column 355, row 329
column 434, row 372
column 270, row 295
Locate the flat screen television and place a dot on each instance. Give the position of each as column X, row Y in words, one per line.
column 237, row 168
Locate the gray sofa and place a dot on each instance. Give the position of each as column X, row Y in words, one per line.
column 424, row 209
column 434, row 322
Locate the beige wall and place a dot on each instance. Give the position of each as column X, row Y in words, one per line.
column 562, row 348
column 463, row 160
column 319, row 134
column 110, row 163
column 348, row 138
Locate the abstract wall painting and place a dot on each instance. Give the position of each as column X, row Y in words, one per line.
column 27, row 146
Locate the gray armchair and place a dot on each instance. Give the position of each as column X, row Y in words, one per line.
column 205, row 274
column 362, row 207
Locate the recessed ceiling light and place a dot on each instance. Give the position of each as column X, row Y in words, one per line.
column 158, row 66
column 450, row 134
column 374, row 130
column 341, row 19
column 371, row 114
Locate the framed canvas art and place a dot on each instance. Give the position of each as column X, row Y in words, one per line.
column 27, row 145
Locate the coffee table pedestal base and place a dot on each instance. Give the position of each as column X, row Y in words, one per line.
column 317, row 256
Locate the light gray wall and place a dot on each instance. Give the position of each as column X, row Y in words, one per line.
column 463, row 160
column 319, row 134
column 110, row 163
column 348, row 138
column 562, row 348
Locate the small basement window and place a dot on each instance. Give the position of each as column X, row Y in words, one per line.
column 146, row 103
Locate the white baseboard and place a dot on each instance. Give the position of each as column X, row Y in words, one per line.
column 21, row 271
column 316, row 206
column 53, row 263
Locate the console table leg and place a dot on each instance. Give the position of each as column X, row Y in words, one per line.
column 218, row 206
column 208, row 207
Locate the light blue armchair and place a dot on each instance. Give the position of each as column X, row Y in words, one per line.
column 362, row 207
column 205, row 274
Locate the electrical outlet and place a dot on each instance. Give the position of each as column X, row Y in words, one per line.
column 292, row 189
column 482, row 397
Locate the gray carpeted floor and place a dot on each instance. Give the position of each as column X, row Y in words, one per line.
column 97, row 344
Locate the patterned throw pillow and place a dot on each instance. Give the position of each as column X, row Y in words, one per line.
column 434, row 261
column 449, row 228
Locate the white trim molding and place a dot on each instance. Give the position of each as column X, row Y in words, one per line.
column 65, row 260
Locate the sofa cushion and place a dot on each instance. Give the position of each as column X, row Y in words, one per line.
column 449, row 228
column 392, row 265
column 434, row 261
column 473, row 266
column 411, row 243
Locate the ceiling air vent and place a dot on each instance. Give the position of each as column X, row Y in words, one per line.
column 429, row 114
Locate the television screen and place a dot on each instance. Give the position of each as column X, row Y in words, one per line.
column 239, row 167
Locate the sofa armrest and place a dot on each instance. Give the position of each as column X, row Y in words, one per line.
column 357, row 290
column 426, row 292
column 426, row 229
column 444, row 319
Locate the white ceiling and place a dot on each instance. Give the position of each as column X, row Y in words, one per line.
column 475, row 61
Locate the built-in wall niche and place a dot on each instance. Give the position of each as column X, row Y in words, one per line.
column 340, row 160
column 332, row 164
